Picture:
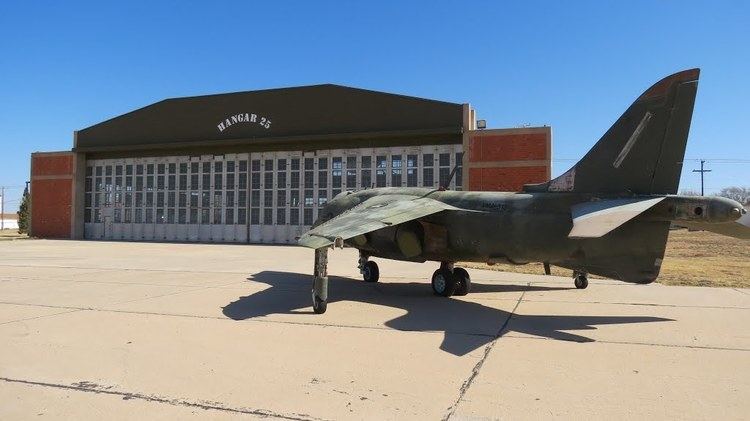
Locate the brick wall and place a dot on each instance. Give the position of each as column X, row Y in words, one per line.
column 506, row 159
column 52, row 194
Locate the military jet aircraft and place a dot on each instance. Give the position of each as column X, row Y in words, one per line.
column 608, row 215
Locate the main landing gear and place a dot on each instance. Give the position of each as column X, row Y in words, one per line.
column 320, row 281
column 449, row 280
column 580, row 280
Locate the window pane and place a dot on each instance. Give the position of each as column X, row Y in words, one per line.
column 428, row 160
column 280, row 216
column 268, row 216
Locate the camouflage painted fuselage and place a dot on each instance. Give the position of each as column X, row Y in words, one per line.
column 518, row 228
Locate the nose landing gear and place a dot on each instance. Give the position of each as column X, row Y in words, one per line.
column 369, row 269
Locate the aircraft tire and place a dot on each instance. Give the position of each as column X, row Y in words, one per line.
column 581, row 281
column 443, row 283
column 371, row 272
column 463, row 281
column 319, row 306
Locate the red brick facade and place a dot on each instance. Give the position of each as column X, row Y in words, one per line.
column 506, row 159
column 52, row 194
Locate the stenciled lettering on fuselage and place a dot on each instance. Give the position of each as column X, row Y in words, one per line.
column 251, row 118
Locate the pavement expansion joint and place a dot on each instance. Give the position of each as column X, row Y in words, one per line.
column 90, row 387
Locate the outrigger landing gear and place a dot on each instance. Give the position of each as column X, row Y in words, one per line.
column 448, row 280
column 320, row 281
column 369, row 269
column 580, row 280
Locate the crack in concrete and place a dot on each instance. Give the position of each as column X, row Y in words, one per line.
column 478, row 367
column 40, row 317
column 603, row 341
column 88, row 387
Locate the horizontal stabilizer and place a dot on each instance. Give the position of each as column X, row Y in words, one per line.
column 595, row 219
column 738, row 229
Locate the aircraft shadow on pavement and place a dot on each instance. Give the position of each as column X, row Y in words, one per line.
column 466, row 325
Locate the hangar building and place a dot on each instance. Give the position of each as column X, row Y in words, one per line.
column 256, row 166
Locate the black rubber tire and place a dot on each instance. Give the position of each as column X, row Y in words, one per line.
column 581, row 281
column 319, row 306
column 443, row 283
column 463, row 281
column 371, row 272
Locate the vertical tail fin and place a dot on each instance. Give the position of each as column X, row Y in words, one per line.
column 642, row 152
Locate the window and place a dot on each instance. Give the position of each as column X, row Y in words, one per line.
column 366, row 162
column 217, row 216
column 268, row 165
column 428, row 177
column 241, row 215
column 294, row 216
column 411, row 177
column 459, row 172
column 381, row 161
column 182, row 217
column 380, row 178
column 255, row 216
column 351, row 178
column 281, row 165
column 309, row 200
column 170, row 216
column 444, row 174
column 295, row 164
column 294, row 198
column 322, row 163
column 229, row 216
column 322, row 197
column 204, row 217
column 281, row 180
column 366, row 180
column 230, row 199
column 445, row 160
column 281, row 198
column 308, row 216
column 243, row 166
column 280, row 216
column 255, row 165
column 428, row 160
column 268, row 216
column 322, row 179
column 295, row 180
column 268, row 198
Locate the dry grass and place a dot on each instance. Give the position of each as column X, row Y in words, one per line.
column 11, row 235
column 692, row 258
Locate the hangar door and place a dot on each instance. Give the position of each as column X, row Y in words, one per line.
column 270, row 197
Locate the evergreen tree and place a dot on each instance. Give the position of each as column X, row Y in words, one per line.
column 23, row 213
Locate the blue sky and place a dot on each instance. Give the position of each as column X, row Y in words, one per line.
column 574, row 66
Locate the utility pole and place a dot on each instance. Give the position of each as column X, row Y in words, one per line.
column 702, row 171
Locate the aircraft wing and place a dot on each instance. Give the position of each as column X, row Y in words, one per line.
column 595, row 219
column 372, row 214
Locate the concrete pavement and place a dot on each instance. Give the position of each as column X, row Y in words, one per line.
column 175, row 331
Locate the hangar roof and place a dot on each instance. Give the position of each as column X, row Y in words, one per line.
column 292, row 114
